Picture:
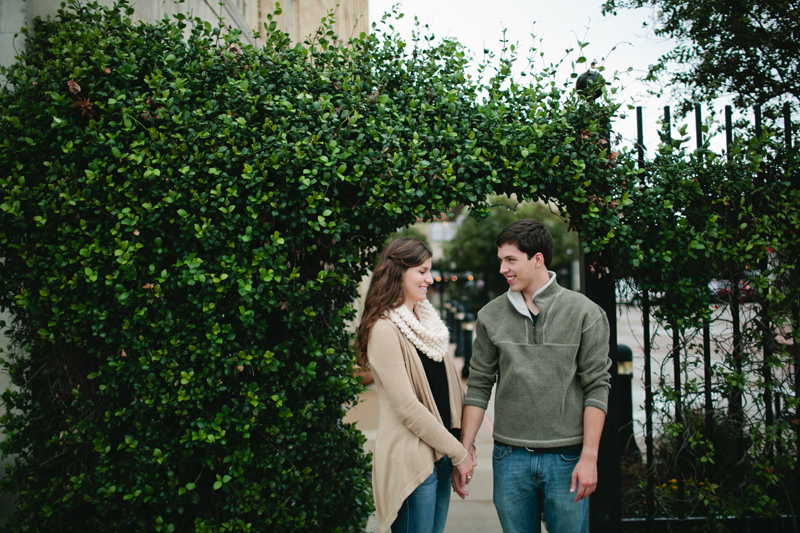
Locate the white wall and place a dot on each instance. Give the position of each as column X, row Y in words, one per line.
column 12, row 18
column 300, row 18
column 6, row 500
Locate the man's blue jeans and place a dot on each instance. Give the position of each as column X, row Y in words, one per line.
column 521, row 476
column 425, row 509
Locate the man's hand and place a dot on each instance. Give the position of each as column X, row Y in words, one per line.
column 584, row 477
column 473, row 454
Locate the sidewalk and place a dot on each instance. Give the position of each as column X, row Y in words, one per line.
column 476, row 514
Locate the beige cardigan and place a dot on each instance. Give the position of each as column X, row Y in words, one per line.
column 410, row 431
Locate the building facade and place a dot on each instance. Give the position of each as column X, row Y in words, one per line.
column 300, row 18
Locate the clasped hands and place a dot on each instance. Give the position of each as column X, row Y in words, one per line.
column 462, row 473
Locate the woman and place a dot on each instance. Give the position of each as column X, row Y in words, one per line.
column 403, row 341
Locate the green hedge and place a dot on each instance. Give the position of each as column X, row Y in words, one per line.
column 188, row 363
column 184, row 222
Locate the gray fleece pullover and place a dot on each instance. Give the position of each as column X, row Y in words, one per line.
column 546, row 375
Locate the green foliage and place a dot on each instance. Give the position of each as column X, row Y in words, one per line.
column 153, row 217
column 474, row 249
column 184, row 221
column 696, row 218
column 748, row 48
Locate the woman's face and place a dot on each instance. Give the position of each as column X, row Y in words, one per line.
column 415, row 283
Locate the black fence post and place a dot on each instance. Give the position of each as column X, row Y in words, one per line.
column 648, row 408
column 467, row 327
column 796, row 358
column 676, row 369
column 795, row 349
column 648, row 385
column 766, row 327
column 728, row 128
column 457, row 327
column 709, row 406
column 451, row 320
column 605, row 513
column 787, row 140
column 628, row 446
column 736, row 407
column 698, row 125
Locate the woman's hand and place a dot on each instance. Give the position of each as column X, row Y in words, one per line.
column 462, row 475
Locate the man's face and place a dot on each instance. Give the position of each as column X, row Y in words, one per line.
column 515, row 266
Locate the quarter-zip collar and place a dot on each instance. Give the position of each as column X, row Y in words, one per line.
column 518, row 301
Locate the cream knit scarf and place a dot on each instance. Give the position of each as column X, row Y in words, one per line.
column 428, row 334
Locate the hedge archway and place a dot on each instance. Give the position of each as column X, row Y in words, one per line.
column 184, row 224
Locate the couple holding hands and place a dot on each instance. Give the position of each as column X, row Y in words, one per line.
column 545, row 349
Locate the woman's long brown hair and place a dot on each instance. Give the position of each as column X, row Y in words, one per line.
column 386, row 287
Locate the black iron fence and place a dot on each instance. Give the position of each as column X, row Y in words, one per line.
column 692, row 401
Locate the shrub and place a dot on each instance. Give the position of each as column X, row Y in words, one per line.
column 184, row 224
column 187, row 363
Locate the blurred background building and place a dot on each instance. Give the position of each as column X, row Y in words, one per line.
column 300, row 18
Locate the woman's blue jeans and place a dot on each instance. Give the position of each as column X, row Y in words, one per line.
column 522, row 476
column 425, row 509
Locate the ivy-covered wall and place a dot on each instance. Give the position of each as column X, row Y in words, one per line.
column 184, row 223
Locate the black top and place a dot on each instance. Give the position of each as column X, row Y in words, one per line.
column 437, row 380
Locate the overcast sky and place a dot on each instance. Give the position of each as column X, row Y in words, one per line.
column 618, row 41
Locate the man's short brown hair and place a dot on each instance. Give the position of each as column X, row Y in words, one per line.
column 531, row 237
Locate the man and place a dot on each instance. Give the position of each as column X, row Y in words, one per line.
column 546, row 348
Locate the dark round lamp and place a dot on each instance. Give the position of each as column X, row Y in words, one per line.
column 590, row 84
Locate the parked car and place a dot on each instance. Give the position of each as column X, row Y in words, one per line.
column 723, row 289
column 628, row 293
